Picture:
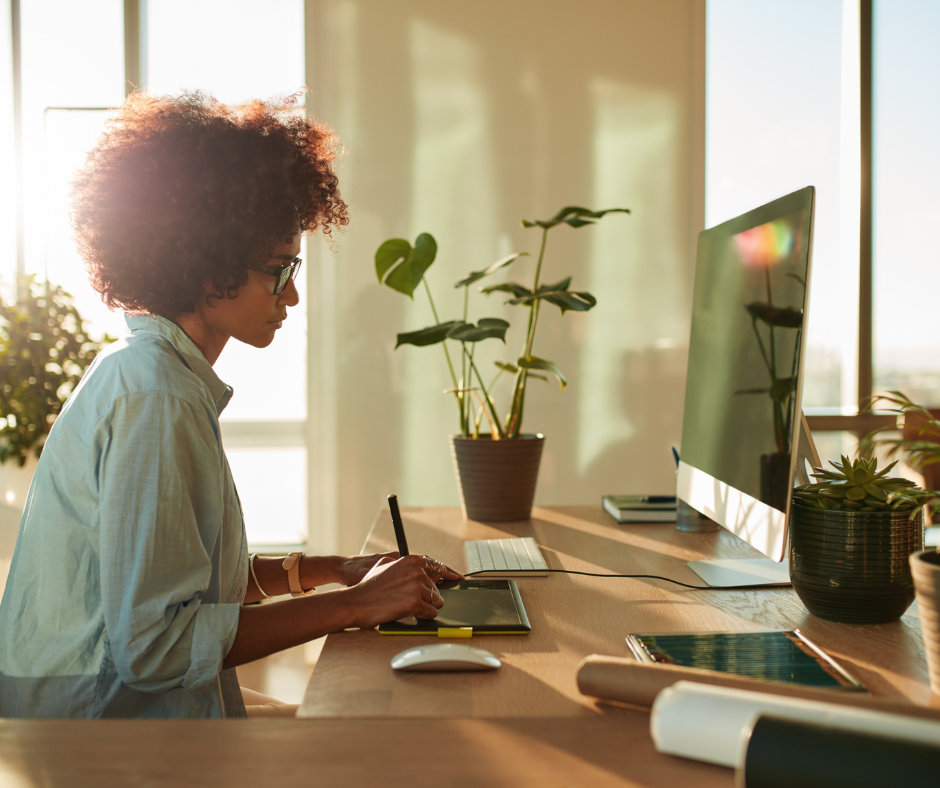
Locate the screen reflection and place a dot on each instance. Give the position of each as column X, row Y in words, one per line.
column 747, row 327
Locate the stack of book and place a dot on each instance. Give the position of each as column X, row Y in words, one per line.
column 641, row 508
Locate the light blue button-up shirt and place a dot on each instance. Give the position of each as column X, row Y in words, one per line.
column 131, row 561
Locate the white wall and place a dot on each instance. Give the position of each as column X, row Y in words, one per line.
column 460, row 119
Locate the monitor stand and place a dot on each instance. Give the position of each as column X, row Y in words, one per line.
column 737, row 572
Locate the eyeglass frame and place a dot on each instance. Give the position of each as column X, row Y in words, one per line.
column 279, row 273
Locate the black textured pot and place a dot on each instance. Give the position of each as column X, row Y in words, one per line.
column 497, row 478
column 853, row 567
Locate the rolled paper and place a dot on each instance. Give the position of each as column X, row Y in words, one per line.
column 624, row 680
column 782, row 753
column 706, row 723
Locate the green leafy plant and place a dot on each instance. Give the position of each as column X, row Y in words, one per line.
column 44, row 351
column 402, row 267
column 924, row 448
column 920, row 440
column 860, row 486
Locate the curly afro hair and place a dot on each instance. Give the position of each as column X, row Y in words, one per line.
column 184, row 190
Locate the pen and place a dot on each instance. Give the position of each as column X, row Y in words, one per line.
column 398, row 525
column 658, row 498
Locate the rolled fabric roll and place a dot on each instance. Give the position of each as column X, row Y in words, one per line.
column 782, row 753
column 625, row 680
column 706, row 723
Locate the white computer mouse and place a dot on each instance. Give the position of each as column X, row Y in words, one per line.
column 445, row 656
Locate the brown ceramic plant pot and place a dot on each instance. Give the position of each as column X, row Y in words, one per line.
column 497, row 478
column 925, row 567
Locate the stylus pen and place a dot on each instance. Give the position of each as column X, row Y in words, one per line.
column 398, row 525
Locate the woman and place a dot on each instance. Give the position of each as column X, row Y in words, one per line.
column 125, row 594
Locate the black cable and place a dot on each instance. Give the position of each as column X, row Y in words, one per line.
column 596, row 574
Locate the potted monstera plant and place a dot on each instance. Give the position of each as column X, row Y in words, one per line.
column 920, row 441
column 497, row 463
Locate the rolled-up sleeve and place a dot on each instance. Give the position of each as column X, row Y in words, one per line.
column 160, row 516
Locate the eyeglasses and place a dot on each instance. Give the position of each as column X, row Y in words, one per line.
column 283, row 273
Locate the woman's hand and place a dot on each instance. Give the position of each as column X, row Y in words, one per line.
column 353, row 569
column 393, row 589
column 438, row 571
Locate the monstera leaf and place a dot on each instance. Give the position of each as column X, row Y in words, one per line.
column 533, row 362
column 407, row 263
column 559, row 295
column 486, row 328
column 573, row 216
column 517, row 290
column 458, row 330
column 476, row 276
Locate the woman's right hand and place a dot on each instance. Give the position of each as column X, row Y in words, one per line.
column 393, row 589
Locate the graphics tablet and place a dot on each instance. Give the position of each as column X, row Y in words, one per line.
column 488, row 607
column 786, row 656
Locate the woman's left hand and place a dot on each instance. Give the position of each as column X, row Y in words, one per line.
column 354, row 568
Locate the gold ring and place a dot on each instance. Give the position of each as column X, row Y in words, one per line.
column 434, row 569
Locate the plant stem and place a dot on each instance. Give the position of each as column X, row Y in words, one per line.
column 464, row 372
column 514, row 421
column 488, row 400
column 773, row 349
column 457, row 393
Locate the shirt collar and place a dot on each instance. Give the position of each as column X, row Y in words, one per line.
column 190, row 354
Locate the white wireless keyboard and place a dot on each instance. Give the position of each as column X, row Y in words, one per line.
column 505, row 558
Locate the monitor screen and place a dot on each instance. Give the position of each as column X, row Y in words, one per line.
column 742, row 402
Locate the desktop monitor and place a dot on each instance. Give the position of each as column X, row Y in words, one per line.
column 742, row 418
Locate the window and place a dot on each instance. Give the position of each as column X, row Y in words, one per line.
column 73, row 62
column 906, row 200
column 839, row 95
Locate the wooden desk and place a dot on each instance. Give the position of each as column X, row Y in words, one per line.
column 390, row 753
column 573, row 616
column 511, row 727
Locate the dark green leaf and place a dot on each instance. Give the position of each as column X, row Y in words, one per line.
column 534, row 362
column 505, row 367
column 562, row 285
column 782, row 317
column 427, row 336
column 568, row 300
column 509, row 287
column 388, row 254
column 488, row 328
column 573, row 215
column 476, row 276
column 407, row 275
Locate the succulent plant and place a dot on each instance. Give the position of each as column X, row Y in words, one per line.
column 860, row 486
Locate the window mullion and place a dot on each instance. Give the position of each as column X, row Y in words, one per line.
column 865, row 306
column 16, row 46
